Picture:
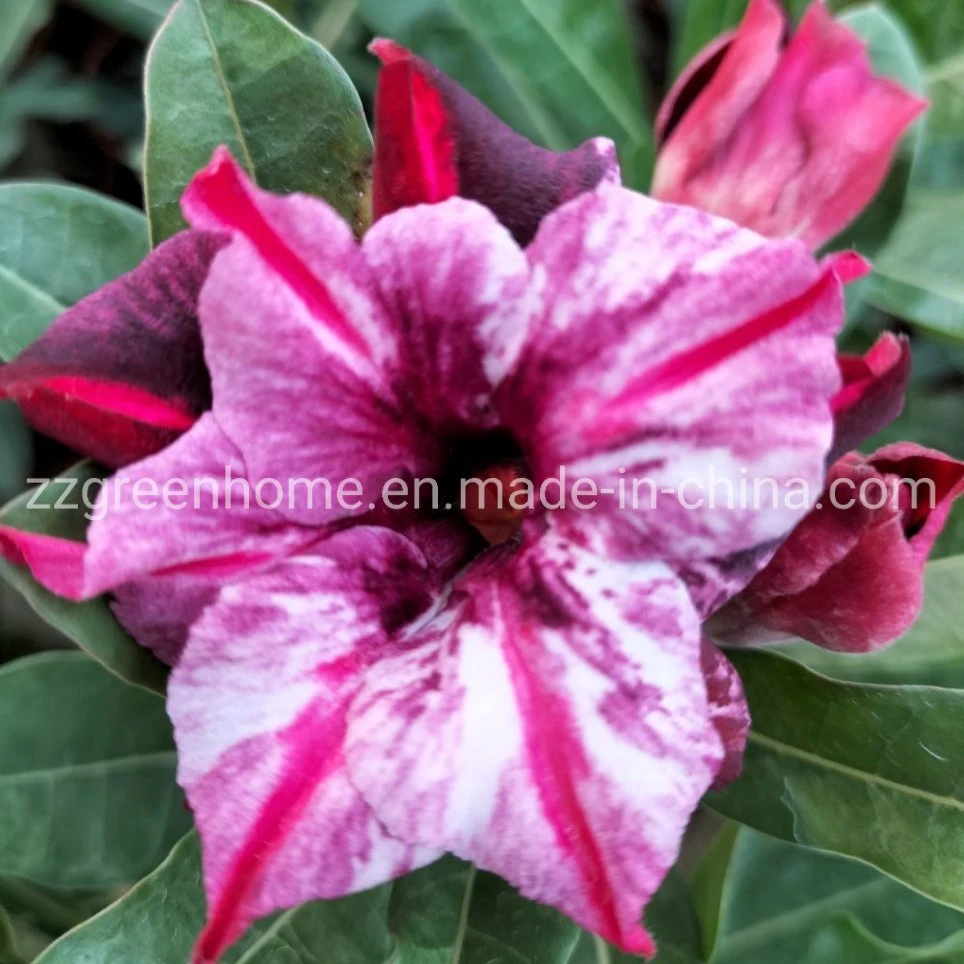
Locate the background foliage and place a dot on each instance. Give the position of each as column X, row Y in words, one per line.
column 844, row 841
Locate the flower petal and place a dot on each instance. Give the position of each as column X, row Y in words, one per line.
column 850, row 576
column 159, row 611
column 454, row 281
column 684, row 355
column 549, row 723
column 56, row 563
column 121, row 374
column 873, row 392
column 728, row 710
column 259, row 701
column 940, row 481
column 791, row 143
column 296, row 337
column 188, row 509
column 703, row 108
column 435, row 140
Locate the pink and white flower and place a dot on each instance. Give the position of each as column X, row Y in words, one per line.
column 356, row 692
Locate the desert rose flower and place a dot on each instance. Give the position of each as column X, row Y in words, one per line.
column 850, row 576
column 790, row 137
column 362, row 690
column 121, row 374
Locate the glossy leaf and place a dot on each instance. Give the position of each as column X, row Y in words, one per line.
column 91, row 625
column 866, row 771
column 931, row 652
column 58, row 244
column 778, row 895
column 559, row 71
column 917, row 275
column 233, row 72
column 86, row 775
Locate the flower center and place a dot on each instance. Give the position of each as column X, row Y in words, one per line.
column 495, row 501
column 487, row 480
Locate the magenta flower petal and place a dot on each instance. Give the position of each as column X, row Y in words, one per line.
column 56, row 563
column 259, row 701
column 873, row 392
column 434, row 140
column 159, row 610
column 296, row 338
column 550, row 724
column 788, row 141
column 121, row 374
column 675, row 349
column 850, row 577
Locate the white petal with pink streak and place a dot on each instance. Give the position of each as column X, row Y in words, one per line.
column 662, row 354
column 259, row 700
column 550, row 723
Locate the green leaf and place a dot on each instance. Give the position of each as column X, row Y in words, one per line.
column 703, row 21
column 21, row 19
column 58, row 244
column 154, row 923
column 86, row 775
column 670, row 918
column 932, row 417
column 778, row 894
column 233, row 72
column 709, row 884
column 940, row 163
column 892, row 54
column 137, row 17
column 931, row 652
column 559, row 71
column 91, row 625
column 8, row 945
column 917, row 275
column 44, row 90
column 446, row 913
column 872, row 772
column 951, row 540
column 16, row 450
column 158, row 921
column 844, row 939
column 937, row 26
